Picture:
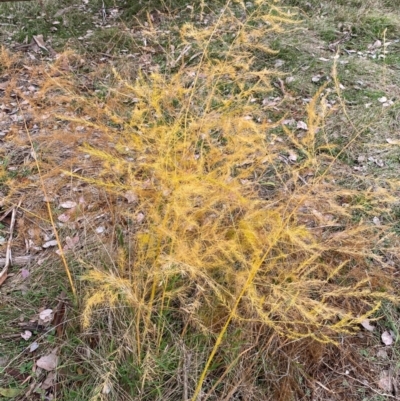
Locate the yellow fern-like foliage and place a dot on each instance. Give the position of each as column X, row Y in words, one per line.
column 195, row 149
column 230, row 227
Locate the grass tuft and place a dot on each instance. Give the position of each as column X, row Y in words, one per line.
column 214, row 250
column 233, row 235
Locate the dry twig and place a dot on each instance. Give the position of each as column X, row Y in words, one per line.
column 17, row 261
column 8, row 260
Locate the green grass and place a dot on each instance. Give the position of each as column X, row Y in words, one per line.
column 34, row 19
column 23, row 305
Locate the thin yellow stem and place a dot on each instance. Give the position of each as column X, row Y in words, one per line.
column 49, row 211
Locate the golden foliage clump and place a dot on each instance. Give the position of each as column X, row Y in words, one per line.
column 231, row 226
column 198, row 175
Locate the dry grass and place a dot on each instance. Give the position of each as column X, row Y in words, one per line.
column 233, row 250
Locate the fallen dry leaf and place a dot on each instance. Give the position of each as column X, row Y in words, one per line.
column 367, row 325
column 131, row 197
column 59, row 13
column 48, row 199
column 376, row 221
column 377, row 44
column 382, row 354
column 71, row 242
column 34, row 346
column 39, row 41
column 48, row 362
column 140, row 217
column 26, row 335
column 387, row 338
column 385, row 381
column 68, row 204
column 49, row 382
column 48, row 244
column 292, row 156
column 106, row 388
column 302, row 125
column 64, row 217
column 46, row 315
column 25, row 273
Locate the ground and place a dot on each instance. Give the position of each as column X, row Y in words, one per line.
column 64, row 215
